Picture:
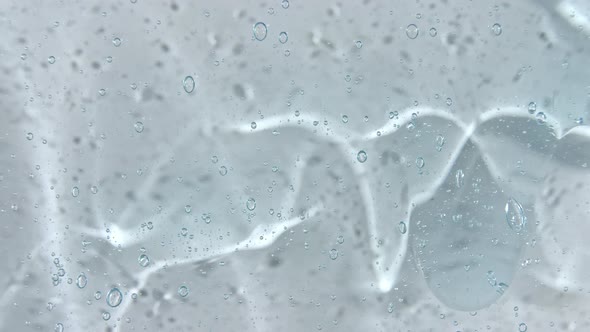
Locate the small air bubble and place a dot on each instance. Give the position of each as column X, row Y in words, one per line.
column 333, row 254
column 283, row 37
column 412, row 31
column 259, row 29
column 143, row 260
column 117, row 41
column 420, row 162
column 541, row 118
column 402, row 227
column 361, row 156
column 114, row 297
column 183, row 291
column 51, row 60
column 138, row 126
column 285, row 4
column 251, row 204
column 188, row 83
column 81, row 281
column 515, row 215
column 532, row 107
column 497, row 29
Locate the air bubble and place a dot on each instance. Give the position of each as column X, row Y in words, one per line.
column 283, row 37
column 361, row 156
column 420, row 162
column 188, row 83
column 223, row 170
column 143, row 260
column 259, row 29
column 333, row 254
column 541, row 118
column 106, row 315
column 497, row 29
column 138, row 126
column 251, row 204
column 183, row 291
column 412, row 31
column 515, row 215
column 81, row 281
column 114, row 297
column 285, row 4
column 390, row 307
column 522, row 327
column 402, row 227
column 532, row 107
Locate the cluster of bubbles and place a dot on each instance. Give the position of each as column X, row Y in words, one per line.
column 57, row 277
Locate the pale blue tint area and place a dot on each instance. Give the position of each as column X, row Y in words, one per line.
column 294, row 165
